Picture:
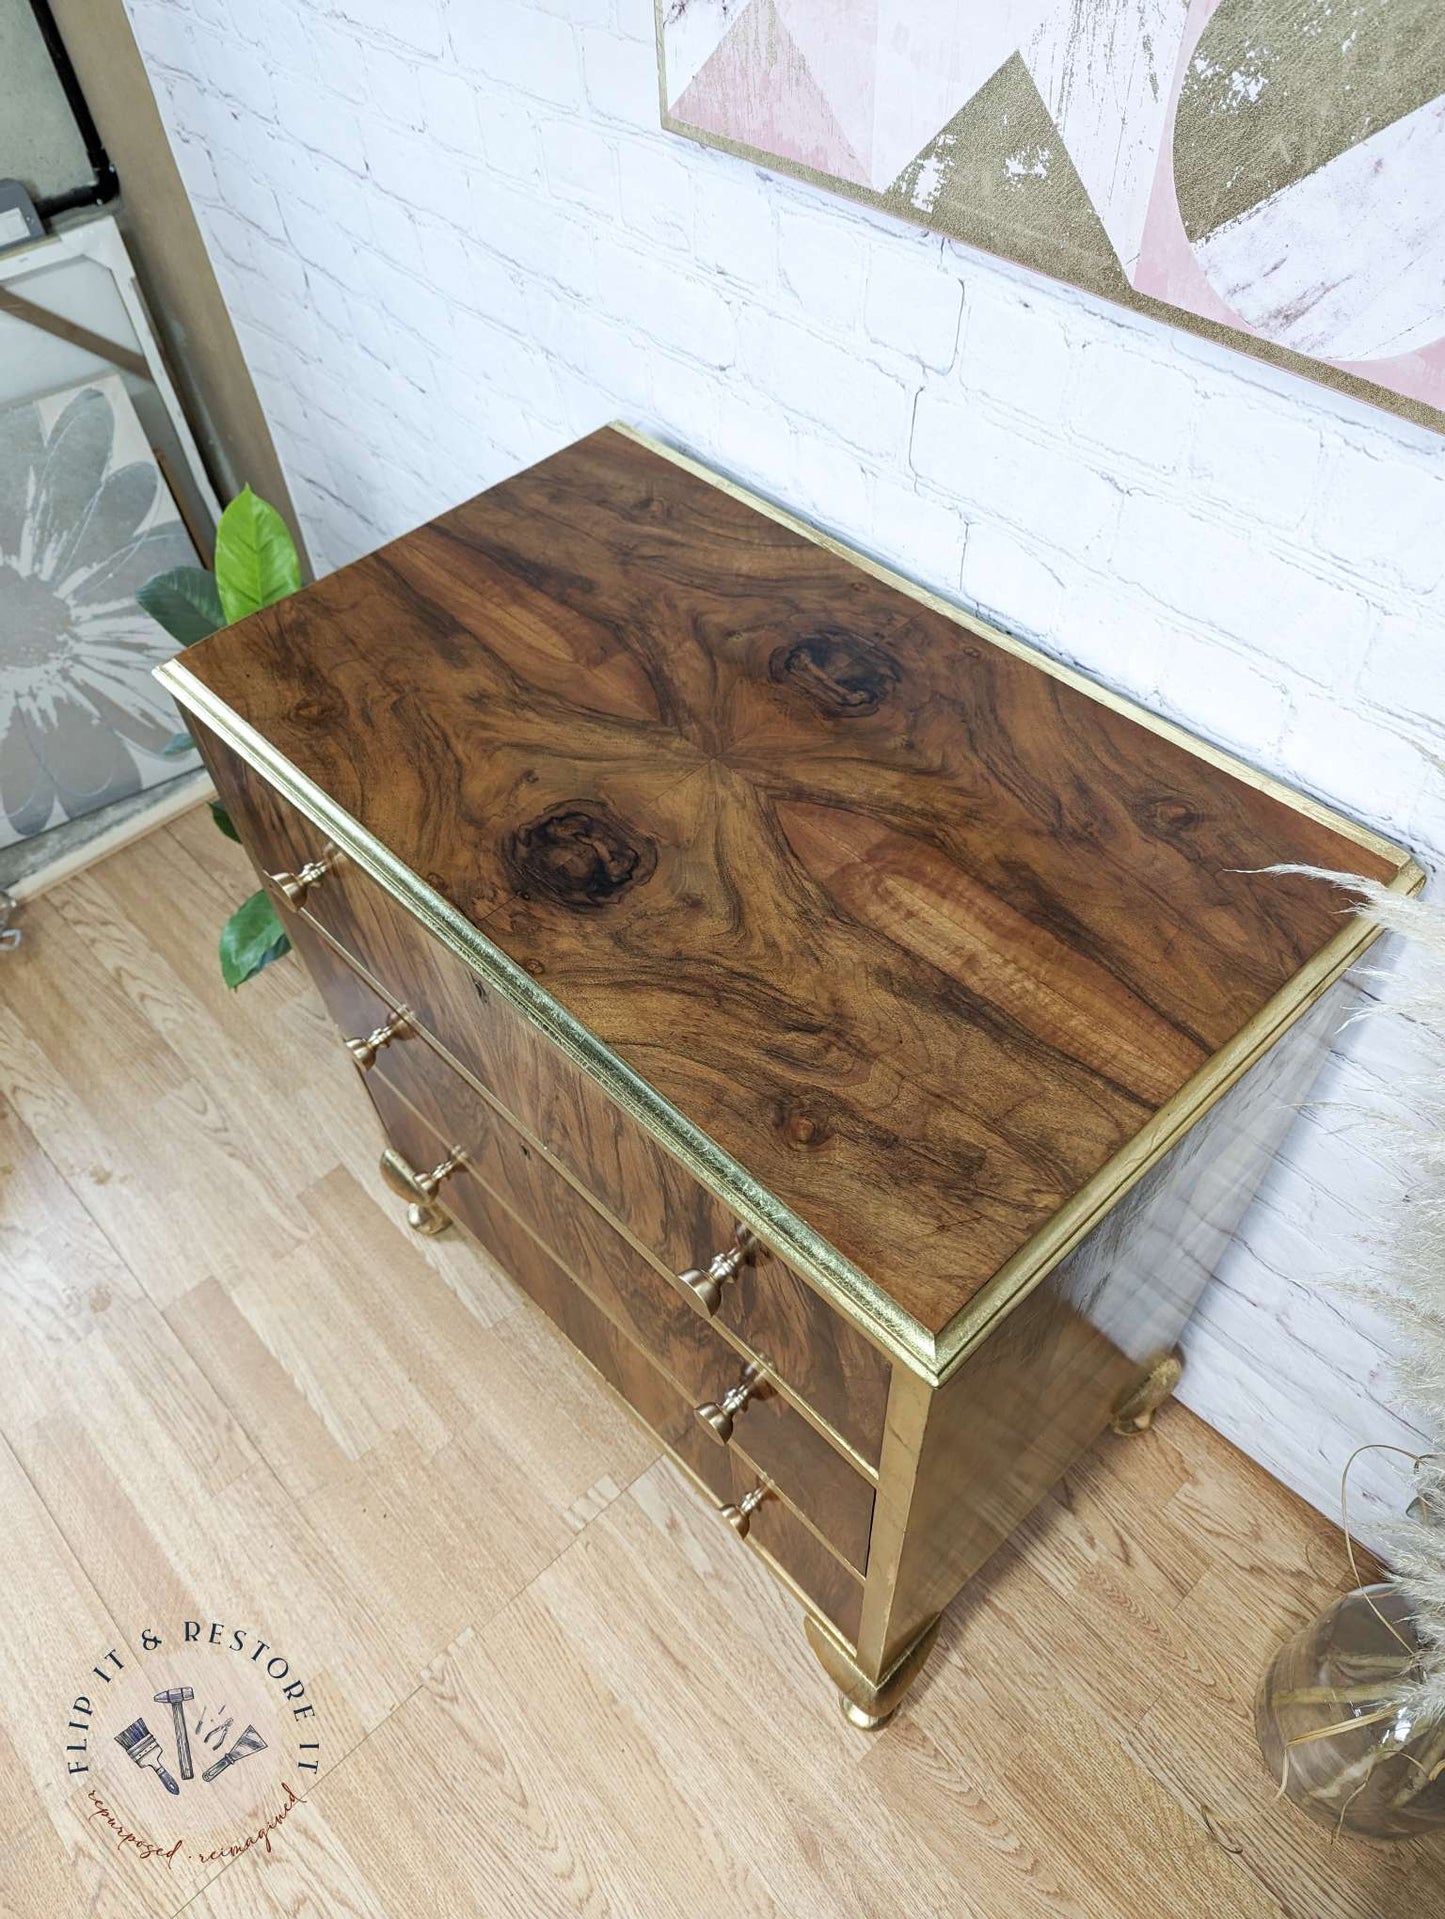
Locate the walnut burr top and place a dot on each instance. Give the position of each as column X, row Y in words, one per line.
column 933, row 939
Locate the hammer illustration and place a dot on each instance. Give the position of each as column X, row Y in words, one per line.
column 176, row 1699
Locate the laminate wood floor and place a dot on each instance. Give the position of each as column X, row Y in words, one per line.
column 235, row 1387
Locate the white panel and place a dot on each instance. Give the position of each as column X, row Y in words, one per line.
column 34, row 362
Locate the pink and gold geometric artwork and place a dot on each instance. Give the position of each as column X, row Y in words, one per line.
column 1269, row 172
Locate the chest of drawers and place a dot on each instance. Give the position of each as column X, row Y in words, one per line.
column 857, row 1032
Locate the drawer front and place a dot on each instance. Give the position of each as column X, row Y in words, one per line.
column 776, row 1529
column 649, row 1308
column 651, row 1195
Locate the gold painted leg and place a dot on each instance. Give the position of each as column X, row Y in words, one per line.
column 866, row 1703
column 1135, row 1412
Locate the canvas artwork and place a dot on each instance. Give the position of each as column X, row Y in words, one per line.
column 1270, row 172
column 85, row 520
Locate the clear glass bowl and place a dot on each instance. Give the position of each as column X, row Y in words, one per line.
column 1328, row 1729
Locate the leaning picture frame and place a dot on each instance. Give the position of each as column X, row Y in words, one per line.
column 73, row 319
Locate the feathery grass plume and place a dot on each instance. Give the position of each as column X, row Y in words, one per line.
column 1415, row 1302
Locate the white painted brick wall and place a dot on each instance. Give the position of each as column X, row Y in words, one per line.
column 454, row 238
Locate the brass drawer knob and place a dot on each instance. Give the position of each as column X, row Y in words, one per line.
column 718, row 1416
column 364, row 1051
column 705, row 1289
column 295, row 886
column 740, row 1517
column 423, row 1214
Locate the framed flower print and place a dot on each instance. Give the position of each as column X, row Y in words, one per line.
column 85, row 519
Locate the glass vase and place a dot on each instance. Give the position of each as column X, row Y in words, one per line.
column 1329, row 1729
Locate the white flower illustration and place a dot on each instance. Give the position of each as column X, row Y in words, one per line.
column 77, row 538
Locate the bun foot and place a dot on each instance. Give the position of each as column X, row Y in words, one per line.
column 1135, row 1412
column 864, row 1721
column 868, row 1703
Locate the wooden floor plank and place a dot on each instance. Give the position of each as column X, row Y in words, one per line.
column 980, row 1830
column 53, row 1858
column 1027, row 1721
column 552, row 1681
column 196, row 1188
column 697, row 1642
column 59, row 1274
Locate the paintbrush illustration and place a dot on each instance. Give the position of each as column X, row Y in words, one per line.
column 145, row 1749
column 246, row 1743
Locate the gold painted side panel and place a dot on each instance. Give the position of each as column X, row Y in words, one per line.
column 962, row 1466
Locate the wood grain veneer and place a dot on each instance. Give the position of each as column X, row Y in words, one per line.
column 665, row 1211
column 636, row 1297
column 921, row 935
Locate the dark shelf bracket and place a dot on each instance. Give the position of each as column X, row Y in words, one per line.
column 105, row 184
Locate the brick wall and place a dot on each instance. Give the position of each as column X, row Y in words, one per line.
column 453, row 238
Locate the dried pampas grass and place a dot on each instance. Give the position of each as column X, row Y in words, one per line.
column 1415, row 1300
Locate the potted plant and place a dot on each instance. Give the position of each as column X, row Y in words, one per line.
column 256, row 565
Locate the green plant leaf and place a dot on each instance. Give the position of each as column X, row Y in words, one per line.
column 256, row 561
column 185, row 602
column 177, row 744
column 251, row 938
column 223, row 822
